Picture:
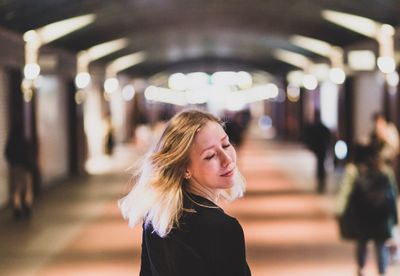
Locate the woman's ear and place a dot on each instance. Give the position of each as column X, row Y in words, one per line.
column 187, row 174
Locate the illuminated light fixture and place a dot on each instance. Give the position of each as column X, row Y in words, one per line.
column 82, row 80
column 111, row 85
column 265, row 122
column 320, row 71
column 314, row 45
column 361, row 60
column 293, row 92
column 61, row 28
column 337, row 75
column 104, row 49
column 273, row 90
column 244, row 80
column 196, row 96
column 197, row 80
column 34, row 39
column 295, row 77
column 150, row 92
column 294, row 59
column 128, row 92
column 31, row 71
column 358, row 24
column 341, row 150
column 125, row 62
column 236, row 101
column 224, row 78
column 393, row 79
column 260, row 93
column 383, row 33
column 310, row 82
column 79, row 97
column 334, row 53
column 386, row 64
column 165, row 95
column 177, row 81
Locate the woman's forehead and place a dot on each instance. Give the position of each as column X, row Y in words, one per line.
column 208, row 135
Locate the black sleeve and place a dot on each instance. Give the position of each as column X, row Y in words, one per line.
column 145, row 269
column 231, row 252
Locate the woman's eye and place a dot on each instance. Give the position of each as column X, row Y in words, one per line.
column 226, row 146
column 210, row 157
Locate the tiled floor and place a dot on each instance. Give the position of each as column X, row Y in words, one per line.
column 77, row 228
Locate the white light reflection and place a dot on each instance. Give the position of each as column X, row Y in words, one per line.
column 31, row 71
column 310, row 82
column 177, row 81
column 111, row 85
column 386, row 64
column 236, row 101
column 59, row 29
column 293, row 92
column 361, row 60
column 393, row 79
column 341, row 150
column 337, row 75
column 82, row 80
column 128, row 92
column 355, row 23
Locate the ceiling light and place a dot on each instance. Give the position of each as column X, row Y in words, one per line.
column 106, row 48
column 125, row 62
column 337, row 75
column 360, row 60
column 359, row 24
column 82, row 80
column 314, row 45
column 310, row 82
column 59, row 29
column 292, row 58
column 386, row 64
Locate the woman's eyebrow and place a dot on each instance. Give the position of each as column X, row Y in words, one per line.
column 210, row 147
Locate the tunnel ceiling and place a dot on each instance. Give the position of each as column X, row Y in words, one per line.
column 190, row 34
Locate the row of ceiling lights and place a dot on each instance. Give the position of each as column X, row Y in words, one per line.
column 383, row 33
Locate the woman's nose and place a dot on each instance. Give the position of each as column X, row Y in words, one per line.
column 226, row 160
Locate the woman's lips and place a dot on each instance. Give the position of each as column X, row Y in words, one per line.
column 229, row 173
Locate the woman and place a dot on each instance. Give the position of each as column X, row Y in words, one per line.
column 177, row 190
column 17, row 153
column 368, row 198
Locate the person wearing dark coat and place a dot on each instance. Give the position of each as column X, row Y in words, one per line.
column 317, row 138
column 177, row 193
column 368, row 196
column 18, row 156
column 209, row 242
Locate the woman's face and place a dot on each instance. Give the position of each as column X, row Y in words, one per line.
column 212, row 158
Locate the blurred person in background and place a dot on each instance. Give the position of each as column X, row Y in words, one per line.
column 177, row 191
column 317, row 138
column 366, row 205
column 385, row 137
column 18, row 156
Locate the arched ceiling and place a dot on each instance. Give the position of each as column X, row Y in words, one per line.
column 186, row 34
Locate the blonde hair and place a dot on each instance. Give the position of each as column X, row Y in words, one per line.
column 157, row 196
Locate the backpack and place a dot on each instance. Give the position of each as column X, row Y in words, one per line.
column 373, row 197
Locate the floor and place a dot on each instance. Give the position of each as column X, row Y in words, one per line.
column 76, row 228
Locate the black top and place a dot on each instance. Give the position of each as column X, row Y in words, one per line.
column 207, row 242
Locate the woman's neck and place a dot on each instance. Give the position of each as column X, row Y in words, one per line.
column 197, row 189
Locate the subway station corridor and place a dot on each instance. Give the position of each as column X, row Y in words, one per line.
column 77, row 228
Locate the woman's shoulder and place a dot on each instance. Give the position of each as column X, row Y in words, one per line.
column 203, row 213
